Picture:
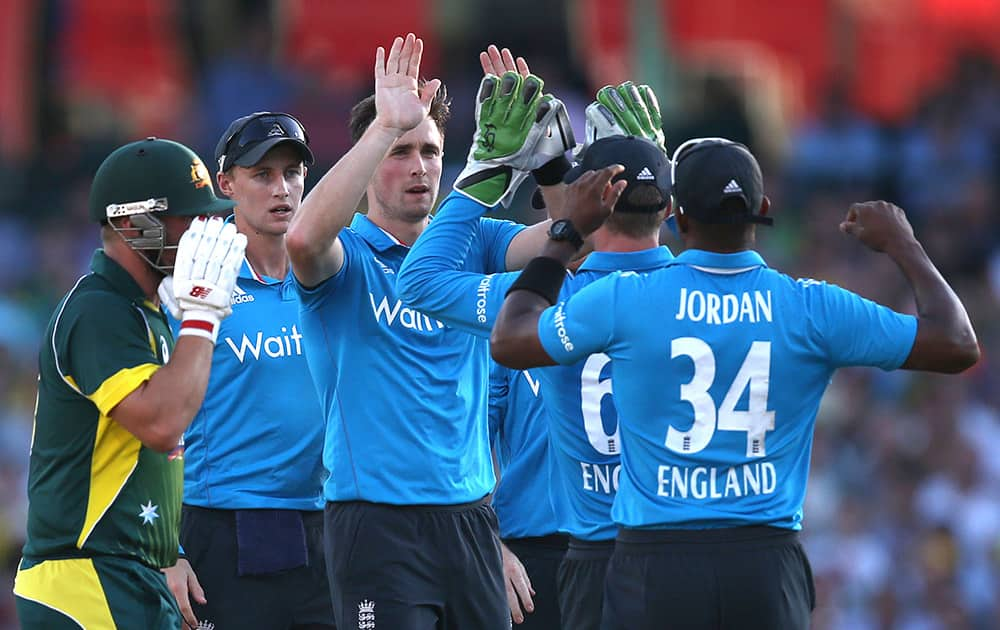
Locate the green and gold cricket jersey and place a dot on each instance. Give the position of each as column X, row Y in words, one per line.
column 93, row 488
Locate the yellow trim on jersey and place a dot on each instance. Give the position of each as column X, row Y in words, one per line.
column 116, row 454
column 149, row 329
column 119, row 385
column 116, row 450
column 70, row 587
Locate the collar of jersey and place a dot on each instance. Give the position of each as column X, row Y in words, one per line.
column 376, row 236
column 114, row 273
column 709, row 260
column 249, row 273
column 246, row 271
column 641, row 260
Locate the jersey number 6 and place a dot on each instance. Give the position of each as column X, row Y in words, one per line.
column 593, row 389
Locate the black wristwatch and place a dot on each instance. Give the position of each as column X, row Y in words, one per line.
column 563, row 230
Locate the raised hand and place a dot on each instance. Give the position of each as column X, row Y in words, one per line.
column 592, row 197
column 518, row 129
column 497, row 61
column 626, row 109
column 513, row 120
column 878, row 224
column 208, row 261
column 400, row 102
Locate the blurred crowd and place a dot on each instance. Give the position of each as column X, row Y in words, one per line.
column 902, row 517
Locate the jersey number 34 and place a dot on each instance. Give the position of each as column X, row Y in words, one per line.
column 755, row 421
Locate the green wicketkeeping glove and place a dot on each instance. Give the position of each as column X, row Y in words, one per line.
column 625, row 110
column 514, row 134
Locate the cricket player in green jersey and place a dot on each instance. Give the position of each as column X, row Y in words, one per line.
column 115, row 395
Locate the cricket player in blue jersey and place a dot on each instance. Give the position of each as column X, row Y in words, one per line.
column 411, row 539
column 532, row 548
column 720, row 364
column 252, row 523
column 585, row 449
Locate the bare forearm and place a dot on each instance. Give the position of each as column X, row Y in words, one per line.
column 332, row 202
column 562, row 251
column 514, row 341
column 533, row 242
column 331, row 205
column 159, row 411
column 945, row 340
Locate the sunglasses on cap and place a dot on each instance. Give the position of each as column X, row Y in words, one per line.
column 258, row 128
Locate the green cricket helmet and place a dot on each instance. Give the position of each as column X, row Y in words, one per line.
column 147, row 179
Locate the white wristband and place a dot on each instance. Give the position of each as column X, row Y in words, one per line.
column 200, row 324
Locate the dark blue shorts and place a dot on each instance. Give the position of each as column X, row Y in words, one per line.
column 743, row 578
column 292, row 598
column 581, row 582
column 431, row 567
column 541, row 557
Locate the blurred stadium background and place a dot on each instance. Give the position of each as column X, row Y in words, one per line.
column 842, row 100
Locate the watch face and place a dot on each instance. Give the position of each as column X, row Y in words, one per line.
column 563, row 230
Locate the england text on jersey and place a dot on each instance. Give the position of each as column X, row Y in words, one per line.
column 701, row 482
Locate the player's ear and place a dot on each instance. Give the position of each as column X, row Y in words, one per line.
column 682, row 222
column 765, row 205
column 225, row 181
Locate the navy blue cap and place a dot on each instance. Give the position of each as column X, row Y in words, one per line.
column 710, row 171
column 644, row 161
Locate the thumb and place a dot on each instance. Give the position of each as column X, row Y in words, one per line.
column 429, row 91
column 615, row 192
column 852, row 228
column 195, row 590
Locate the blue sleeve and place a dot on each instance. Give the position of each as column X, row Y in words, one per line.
column 499, row 391
column 175, row 324
column 495, row 236
column 445, row 273
column 582, row 325
column 311, row 298
column 856, row 331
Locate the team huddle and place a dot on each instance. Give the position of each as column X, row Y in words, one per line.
column 274, row 411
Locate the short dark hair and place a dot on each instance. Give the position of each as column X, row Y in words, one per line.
column 731, row 236
column 364, row 112
column 727, row 214
column 638, row 224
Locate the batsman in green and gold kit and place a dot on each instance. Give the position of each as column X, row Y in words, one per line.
column 99, row 498
column 106, row 469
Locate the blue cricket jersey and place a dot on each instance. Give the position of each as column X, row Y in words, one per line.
column 405, row 396
column 720, row 364
column 520, row 437
column 257, row 441
column 584, row 448
column 582, row 404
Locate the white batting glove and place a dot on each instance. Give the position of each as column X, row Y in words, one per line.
column 167, row 299
column 208, row 261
